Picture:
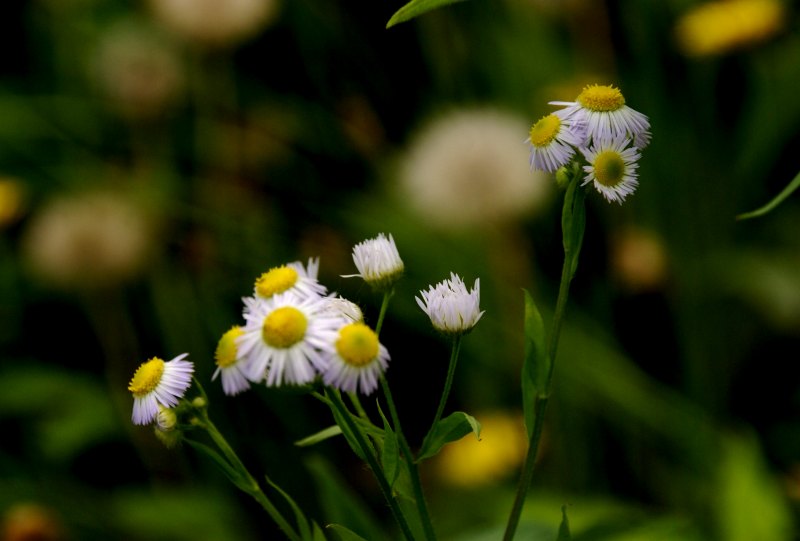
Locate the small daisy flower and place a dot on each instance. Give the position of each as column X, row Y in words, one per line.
column 378, row 262
column 229, row 363
column 340, row 307
column 357, row 361
column 553, row 140
column 156, row 383
column 452, row 309
column 602, row 109
column 283, row 339
column 612, row 168
column 291, row 277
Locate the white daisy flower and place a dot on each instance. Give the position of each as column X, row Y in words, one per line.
column 292, row 277
column 612, row 168
column 230, row 364
column 378, row 262
column 284, row 338
column 156, row 383
column 553, row 140
column 452, row 309
column 357, row 361
column 602, row 109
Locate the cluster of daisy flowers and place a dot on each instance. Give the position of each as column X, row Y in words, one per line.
column 295, row 332
column 601, row 128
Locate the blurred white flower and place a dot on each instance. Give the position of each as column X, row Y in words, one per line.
column 88, row 240
column 138, row 71
column 469, row 168
column 215, row 23
column 230, row 364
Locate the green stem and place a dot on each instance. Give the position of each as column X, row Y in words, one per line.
column 451, row 370
column 385, row 487
column 357, row 405
column 416, row 482
column 571, row 253
column 382, row 313
column 254, row 489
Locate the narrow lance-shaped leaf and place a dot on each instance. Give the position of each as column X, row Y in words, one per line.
column 303, row 525
column 235, row 476
column 787, row 191
column 451, row 428
column 390, row 455
column 345, row 534
column 320, row 436
column 577, row 229
column 416, row 8
column 347, row 433
column 536, row 365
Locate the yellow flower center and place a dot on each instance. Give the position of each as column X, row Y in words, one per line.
column 147, row 377
column 226, row 352
column 357, row 344
column 284, row 327
column 609, row 168
column 601, row 98
column 545, row 130
column 275, row 280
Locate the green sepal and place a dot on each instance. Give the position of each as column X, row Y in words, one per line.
column 563, row 529
column 237, row 478
column 320, row 436
column 344, row 533
column 451, row 428
column 390, row 455
column 536, row 365
column 415, row 8
column 777, row 200
column 303, row 525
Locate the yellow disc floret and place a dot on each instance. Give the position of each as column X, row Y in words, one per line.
column 147, row 377
column 357, row 344
column 601, row 98
column 545, row 130
column 226, row 352
column 609, row 168
column 284, row 327
column 276, row 280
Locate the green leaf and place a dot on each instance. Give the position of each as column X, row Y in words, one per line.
column 235, row 476
column 537, row 363
column 303, row 524
column 345, row 534
column 577, row 229
column 320, row 436
column 749, row 503
column 346, row 432
column 390, row 456
column 787, row 191
column 451, row 428
column 415, row 8
column 319, row 535
column 563, row 529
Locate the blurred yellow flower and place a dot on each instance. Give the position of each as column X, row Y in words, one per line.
column 718, row 27
column 472, row 463
column 12, row 200
column 638, row 260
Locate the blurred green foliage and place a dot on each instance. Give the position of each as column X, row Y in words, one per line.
column 676, row 406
